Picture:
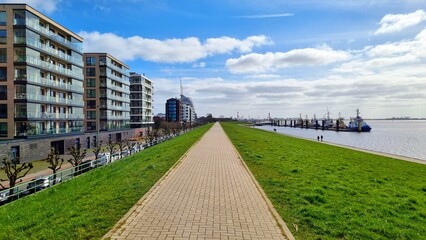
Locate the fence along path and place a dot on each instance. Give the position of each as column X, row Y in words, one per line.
column 209, row 195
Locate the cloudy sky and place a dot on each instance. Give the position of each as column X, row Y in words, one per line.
column 257, row 57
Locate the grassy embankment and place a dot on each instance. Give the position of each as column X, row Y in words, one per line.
column 328, row 192
column 88, row 206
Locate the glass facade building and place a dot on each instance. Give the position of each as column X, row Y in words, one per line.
column 41, row 75
column 141, row 101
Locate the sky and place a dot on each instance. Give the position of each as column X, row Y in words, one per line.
column 252, row 58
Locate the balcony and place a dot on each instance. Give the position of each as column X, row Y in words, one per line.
column 51, row 83
column 49, row 66
column 121, row 70
column 48, row 99
column 42, row 47
column 76, row 46
column 49, row 116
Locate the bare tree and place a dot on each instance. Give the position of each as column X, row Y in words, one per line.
column 130, row 145
column 55, row 162
column 97, row 149
column 14, row 171
column 111, row 148
column 77, row 155
column 122, row 144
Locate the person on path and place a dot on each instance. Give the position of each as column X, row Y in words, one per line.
column 321, row 138
column 318, row 138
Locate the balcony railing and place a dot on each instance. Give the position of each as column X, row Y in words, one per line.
column 49, row 99
column 50, row 83
column 77, row 46
column 49, row 66
column 49, row 116
column 34, row 43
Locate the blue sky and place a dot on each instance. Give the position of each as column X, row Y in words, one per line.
column 258, row 57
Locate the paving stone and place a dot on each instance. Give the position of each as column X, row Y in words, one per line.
column 209, row 195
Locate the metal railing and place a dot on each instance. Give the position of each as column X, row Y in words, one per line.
column 42, row 182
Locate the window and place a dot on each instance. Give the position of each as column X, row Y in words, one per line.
column 3, row 74
column 3, row 19
column 3, row 129
column 3, row 55
column 3, row 37
column 91, row 82
column 91, row 104
column 3, row 110
column 91, row 93
column 91, row 114
column 90, row 72
column 90, row 61
column 3, row 92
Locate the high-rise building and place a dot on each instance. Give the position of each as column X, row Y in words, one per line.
column 173, row 110
column 141, row 101
column 41, row 75
column 188, row 111
column 107, row 94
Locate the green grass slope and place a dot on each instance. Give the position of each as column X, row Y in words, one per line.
column 328, row 192
column 89, row 205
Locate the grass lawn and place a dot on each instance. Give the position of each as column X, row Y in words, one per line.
column 89, row 205
column 328, row 192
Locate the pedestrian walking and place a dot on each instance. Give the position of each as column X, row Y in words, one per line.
column 318, row 138
column 321, row 138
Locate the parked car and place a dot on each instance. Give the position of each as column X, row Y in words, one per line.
column 42, row 182
column 101, row 161
column 4, row 196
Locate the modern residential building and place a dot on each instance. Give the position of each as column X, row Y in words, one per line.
column 141, row 101
column 188, row 111
column 41, row 75
column 107, row 93
column 173, row 110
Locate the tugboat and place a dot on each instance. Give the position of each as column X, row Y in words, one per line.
column 357, row 124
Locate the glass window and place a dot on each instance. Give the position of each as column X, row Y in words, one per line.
column 90, row 72
column 91, row 93
column 3, row 19
column 3, row 37
column 90, row 61
column 3, row 110
column 3, row 92
column 91, row 114
column 3, row 55
column 3, row 73
column 91, row 82
column 91, row 104
column 3, row 129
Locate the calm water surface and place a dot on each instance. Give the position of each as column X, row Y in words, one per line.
column 399, row 137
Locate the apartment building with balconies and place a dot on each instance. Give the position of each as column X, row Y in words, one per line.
column 107, row 94
column 41, row 75
column 141, row 101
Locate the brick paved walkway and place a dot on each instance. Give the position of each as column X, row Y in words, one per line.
column 209, row 195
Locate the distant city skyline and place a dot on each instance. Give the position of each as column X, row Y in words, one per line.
column 255, row 57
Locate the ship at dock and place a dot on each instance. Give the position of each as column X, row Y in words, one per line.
column 357, row 124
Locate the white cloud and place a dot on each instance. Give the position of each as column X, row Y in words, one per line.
column 169, row 50
column 261, row 63
column 199, row 65
column 391, row 23
column 47, row 6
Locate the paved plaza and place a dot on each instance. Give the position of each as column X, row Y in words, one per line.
column 209, row 195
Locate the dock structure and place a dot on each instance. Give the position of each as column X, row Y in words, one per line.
column 209, row 194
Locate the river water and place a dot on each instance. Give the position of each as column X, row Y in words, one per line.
column 398, row 137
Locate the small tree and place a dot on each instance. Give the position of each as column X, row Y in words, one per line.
column 129, row 145
column 122, row 144
column 97, row 149
column 111, row 148
column 14, row 171
column 55, row 162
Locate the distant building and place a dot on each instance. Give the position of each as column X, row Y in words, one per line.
column 41, row 75
column 141, row 101
column 161, row 116
column 107, row 100
column 173, row 110
column 188, row 110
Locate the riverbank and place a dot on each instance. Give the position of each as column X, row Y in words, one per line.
column 328, row 192
column 398, row 157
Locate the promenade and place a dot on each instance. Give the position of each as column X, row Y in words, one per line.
column 209, row 194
